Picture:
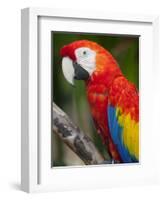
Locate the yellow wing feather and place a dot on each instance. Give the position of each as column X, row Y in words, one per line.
column 130, row 133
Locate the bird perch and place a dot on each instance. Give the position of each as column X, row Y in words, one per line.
column 79, row 143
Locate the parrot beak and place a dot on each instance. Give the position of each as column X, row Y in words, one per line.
column 68, row 70
column 72, row 70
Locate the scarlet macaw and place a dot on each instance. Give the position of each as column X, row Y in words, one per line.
column 113, row 100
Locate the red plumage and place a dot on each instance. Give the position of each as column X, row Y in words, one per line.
column 106, row 86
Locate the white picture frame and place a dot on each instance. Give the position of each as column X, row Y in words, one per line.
column 36, row 171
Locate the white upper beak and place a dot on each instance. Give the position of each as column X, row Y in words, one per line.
column 68, row 69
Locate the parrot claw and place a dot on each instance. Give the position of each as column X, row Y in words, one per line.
column 109, row 162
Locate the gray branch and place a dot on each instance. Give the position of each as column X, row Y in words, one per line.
column 69, row 133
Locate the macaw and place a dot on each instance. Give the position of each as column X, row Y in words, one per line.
column 113, row 100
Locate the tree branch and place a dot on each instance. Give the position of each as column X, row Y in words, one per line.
column 69, row 133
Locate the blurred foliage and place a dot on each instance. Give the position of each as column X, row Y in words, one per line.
column 73, row 99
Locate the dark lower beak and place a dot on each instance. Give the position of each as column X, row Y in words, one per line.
column 80, row 72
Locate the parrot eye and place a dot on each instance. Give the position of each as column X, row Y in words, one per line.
column 84, row 52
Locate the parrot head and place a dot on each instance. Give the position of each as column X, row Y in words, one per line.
column 80, row 59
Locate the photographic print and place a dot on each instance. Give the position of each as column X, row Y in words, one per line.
column 95, row 99
column 84, row 89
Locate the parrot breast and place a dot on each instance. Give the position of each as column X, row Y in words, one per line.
column 98, row 97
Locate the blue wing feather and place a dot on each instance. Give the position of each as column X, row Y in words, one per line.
column 116, row 133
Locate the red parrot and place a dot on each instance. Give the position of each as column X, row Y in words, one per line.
column 113, row 100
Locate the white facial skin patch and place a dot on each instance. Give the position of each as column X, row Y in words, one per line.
column 86, row 58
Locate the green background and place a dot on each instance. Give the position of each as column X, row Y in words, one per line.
column 73, row 99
